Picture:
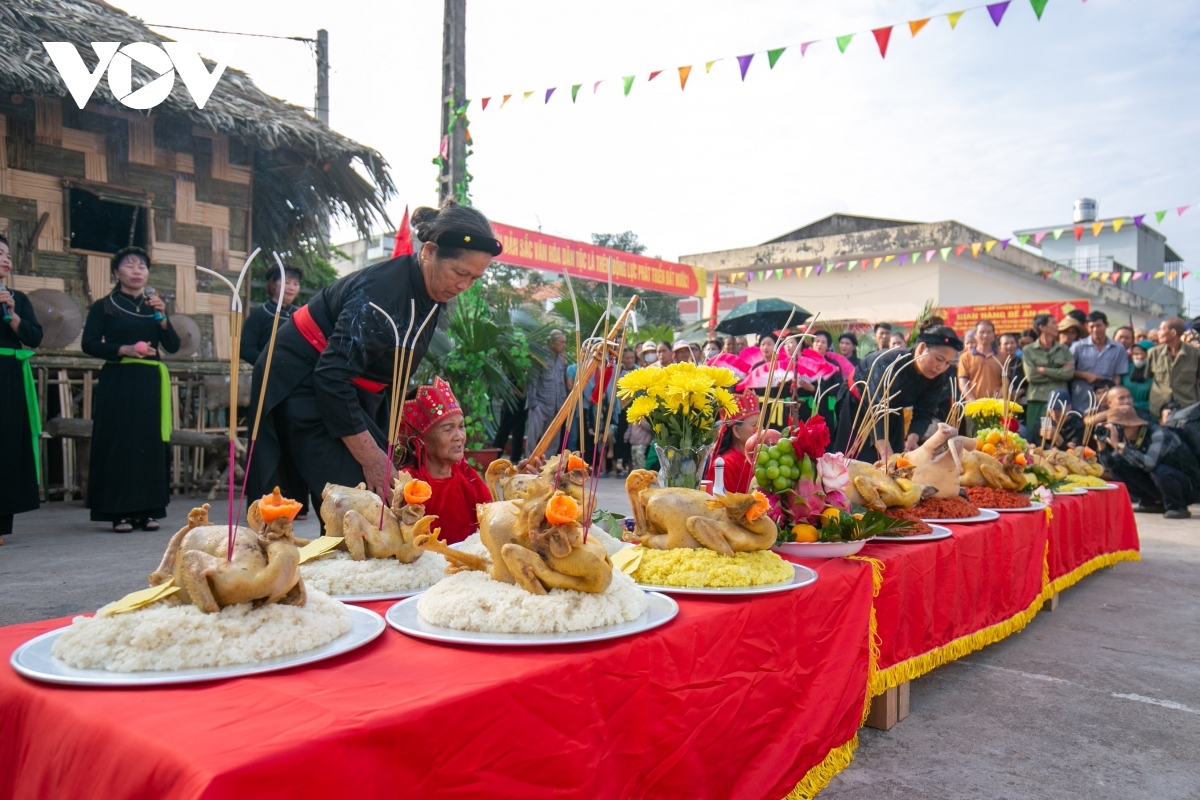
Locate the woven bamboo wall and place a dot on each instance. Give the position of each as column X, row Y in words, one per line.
column 197, row 197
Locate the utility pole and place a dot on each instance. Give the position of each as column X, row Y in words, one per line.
column 454, row 92
column 323, row 76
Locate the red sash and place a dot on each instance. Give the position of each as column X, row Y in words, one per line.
column 312, row 334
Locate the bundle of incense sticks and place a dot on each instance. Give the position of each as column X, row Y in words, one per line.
column 235, row 338
column 262, row 390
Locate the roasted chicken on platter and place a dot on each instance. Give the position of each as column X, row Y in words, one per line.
column 534, row 541
column 264, row 568
column 354, row 514
column 666, row 519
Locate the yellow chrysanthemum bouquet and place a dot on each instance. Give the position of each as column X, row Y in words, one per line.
column 991, row 412
column 682, row 403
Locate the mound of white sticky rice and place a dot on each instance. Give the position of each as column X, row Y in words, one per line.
column 337, row 573
column 170, row 635
column 472, row 601
column 473, row 545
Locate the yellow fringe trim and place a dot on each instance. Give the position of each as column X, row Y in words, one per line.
column 875, row 642
column 819, row 776
column 917, row 666
column 1087, row 568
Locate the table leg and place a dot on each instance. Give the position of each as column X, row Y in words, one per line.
column 889, row 708
column 1051, row 604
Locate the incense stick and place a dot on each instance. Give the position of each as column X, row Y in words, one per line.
column 578, row 372
column 235, row 337
column 392, row 400
column 262, row 390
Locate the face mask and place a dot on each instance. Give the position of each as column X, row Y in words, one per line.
column 650, row 357
column 1139, row 362
column 710, row 353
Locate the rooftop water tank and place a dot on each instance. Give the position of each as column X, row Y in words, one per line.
column 1086, row 209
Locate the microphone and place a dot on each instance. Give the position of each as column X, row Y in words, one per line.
column 158, row 315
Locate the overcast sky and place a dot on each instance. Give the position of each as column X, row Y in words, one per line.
column 998, row 128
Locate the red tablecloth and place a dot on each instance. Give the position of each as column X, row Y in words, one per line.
column 733, row 698
column 940, row 600
column 1090, row 532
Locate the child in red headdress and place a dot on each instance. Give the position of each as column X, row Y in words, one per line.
column 435, row 432
column 736, row 430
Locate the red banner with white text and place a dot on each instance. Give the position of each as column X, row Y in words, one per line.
column 1008, row 317
column 523, row 248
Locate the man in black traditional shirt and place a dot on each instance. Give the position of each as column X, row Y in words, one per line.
column 333, row 359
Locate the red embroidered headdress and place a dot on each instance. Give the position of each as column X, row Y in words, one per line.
column 747, row 403
column 431, row 405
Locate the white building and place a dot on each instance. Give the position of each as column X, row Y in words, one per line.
column 860, row 268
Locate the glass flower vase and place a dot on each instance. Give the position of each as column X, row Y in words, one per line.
column 682, row 467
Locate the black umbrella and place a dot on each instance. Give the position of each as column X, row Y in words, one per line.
column 759, row 316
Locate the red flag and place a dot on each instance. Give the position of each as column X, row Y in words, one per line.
column 716, row 304
column 404, row 243
column 882, row 36
column 1078, row 232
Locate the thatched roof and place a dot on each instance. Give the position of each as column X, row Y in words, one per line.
column 303, row 170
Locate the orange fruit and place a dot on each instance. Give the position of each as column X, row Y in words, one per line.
column 804, row 532
column 989, row 448
column 993, row 438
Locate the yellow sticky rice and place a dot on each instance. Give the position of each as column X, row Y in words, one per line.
column 1085, row 480
column 703, row 568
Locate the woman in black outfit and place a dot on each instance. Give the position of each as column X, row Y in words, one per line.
column 127, row 475
column 19, row 467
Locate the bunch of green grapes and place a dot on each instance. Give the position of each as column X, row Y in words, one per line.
column 777, row 469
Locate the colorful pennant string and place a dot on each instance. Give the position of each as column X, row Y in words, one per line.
column 882, row 35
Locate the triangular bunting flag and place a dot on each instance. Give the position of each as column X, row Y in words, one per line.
column 820, row 267
column 804, row 48
column 1137, row 275
column 903, row 258
column 596, row 86
column 778, row 273
column 628, row 83
column 1158, row 275
column 1182, row 209
column 527, row 95
column 787, row 273
column 507, row 97
column 575, row 91
column 915, row 25
column 1025, row 238
column 548, row 93
column 844, row 41
column 1078, row 232
column 1117, row 223
column 1186, row 274
column 975, row 248
column 773, row 56
column 744, row 64
column 1004, row 243
column 853, row 264
column 882, row 37
column 1058, row 232
column 708, row 65
column 1114, row 277
column 1158, row 215
column 762, row 274
column 1096, row 228
column 997, row 11
column 1137, row 221
column 945, row 253
column 1171, row 275
column 654, row 75
column 929, row 254
column 1094, row 275
column 1057, row 272
column 683, row 76
column 877, row 262
column 1037, row 237
column 954, row 17
column 988, row 245
column 839, row 264
column 1038, row 7
column 484, row 103
column 889, row 258
column 1125, row 277
column 808, row 271
column 958, row 251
